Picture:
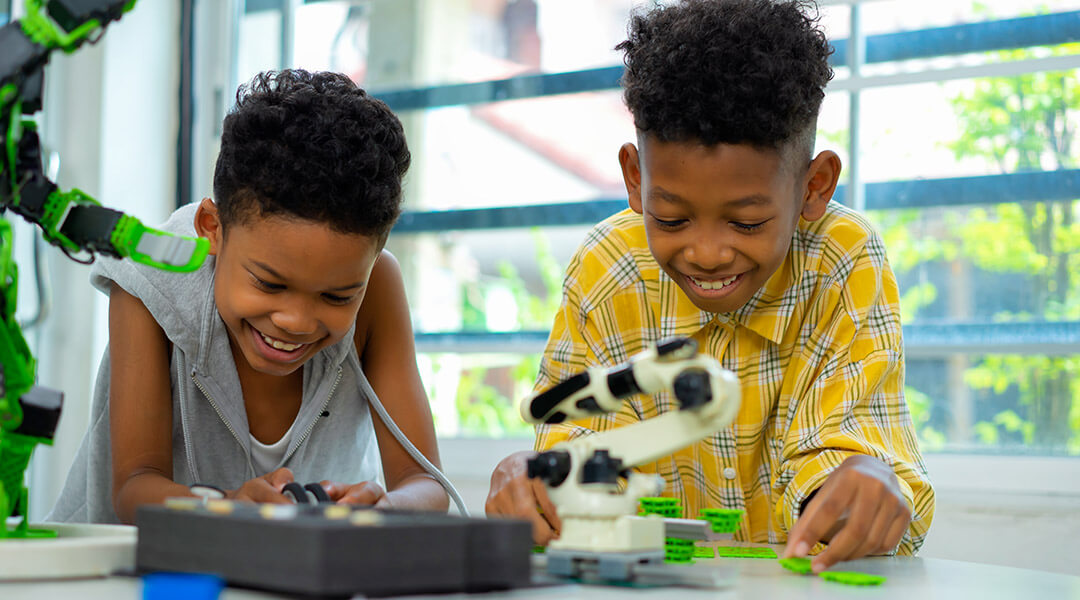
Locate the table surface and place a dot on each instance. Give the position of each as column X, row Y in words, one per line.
column 908, row 579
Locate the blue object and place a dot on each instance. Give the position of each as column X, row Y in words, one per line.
column 181, row 586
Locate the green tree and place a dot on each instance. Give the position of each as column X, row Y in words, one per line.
column 1015, row 124
column 489, row 410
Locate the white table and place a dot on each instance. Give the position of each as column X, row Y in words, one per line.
column 908, row 579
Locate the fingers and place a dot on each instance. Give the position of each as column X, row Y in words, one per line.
column 367, row 493
column 334, row 489
column 875, row 538
column 517, row 499
column 858, row 511
column 822, row 515
column 513, row 494
column 545, row 505
column 896, row 531
column 278, row 478
column 260, row 490
column 846, row 544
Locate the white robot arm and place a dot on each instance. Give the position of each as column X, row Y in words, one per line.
column 581, row 475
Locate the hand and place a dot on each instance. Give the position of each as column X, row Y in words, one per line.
column 859, row 511
column 513, row 494
column 264, row 489
column 366, row 493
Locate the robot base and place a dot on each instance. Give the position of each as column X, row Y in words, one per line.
column 78, row 550
column 624, row 533
column 609, row 566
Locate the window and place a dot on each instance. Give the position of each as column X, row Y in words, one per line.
column 956, row 121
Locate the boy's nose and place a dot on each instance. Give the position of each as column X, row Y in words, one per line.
column 296, row 319
column 710, row 253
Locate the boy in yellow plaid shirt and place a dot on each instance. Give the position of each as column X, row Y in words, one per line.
column 731, row 239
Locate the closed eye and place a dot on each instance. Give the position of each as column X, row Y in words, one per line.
column 668, row 223
column 749, row 226
column 335, row 299
column 266, row 285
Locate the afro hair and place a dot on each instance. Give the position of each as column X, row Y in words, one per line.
column 727, row 71
column 312, row 146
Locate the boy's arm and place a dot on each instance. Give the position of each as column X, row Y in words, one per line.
column 140, row 415
column 140, row 407
column 384, row 339
column 850, row 443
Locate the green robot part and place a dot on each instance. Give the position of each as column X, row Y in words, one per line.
column 73, row 221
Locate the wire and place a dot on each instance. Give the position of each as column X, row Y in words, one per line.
column 418, row 456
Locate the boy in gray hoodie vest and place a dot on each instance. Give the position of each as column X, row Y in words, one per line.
column 257, row 370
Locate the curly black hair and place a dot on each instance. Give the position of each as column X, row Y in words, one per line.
column 313, row 146
column 727, row 71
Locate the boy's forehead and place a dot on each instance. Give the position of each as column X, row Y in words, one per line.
column 788, row 157
column 721, row 162
column 296, row 248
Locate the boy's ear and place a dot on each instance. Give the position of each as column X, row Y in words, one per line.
column 629, row 159
column 208, row 224
column 821, row 180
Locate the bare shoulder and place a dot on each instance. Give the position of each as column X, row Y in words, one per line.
column 128, row 313
column 384, row 304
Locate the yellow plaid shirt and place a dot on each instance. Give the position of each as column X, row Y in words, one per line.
column 818, row 351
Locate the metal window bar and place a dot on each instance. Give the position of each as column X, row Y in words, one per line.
column 922, row 340
column 1006, row 34
column 1037, row 186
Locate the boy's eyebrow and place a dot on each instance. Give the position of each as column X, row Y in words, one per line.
column 752, row 200
column 277, row 275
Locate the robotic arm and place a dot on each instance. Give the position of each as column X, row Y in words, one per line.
column 72, row 220
column 581, row 475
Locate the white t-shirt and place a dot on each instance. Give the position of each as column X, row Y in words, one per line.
column 266, row 457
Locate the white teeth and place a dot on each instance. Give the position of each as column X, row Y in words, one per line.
column 280, row 345
column 714, row 285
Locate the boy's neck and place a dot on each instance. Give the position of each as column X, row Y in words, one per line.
column 270, row 401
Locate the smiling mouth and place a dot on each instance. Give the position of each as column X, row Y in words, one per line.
column 715, row 284
column 279, row 344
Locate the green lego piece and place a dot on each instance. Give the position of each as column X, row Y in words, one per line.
column 796, row 565
column 704, row 552
column 722, row 520
column 539, row 549
column 744, row 552
column 658, row 501
column 852, row 577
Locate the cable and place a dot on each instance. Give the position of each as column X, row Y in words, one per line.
column 418, row 456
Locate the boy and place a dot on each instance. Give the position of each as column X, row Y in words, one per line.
column 258, row 369
column 731, row 239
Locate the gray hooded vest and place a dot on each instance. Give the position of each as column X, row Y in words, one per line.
column 332, row 437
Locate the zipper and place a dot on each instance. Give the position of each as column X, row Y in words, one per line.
column 184, row 425
column 222, row 417
column 318, row 416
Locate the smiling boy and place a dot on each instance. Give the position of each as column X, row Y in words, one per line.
column 262, row 367
column 731, row 239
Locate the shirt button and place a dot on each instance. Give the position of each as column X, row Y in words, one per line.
column 729, row 473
